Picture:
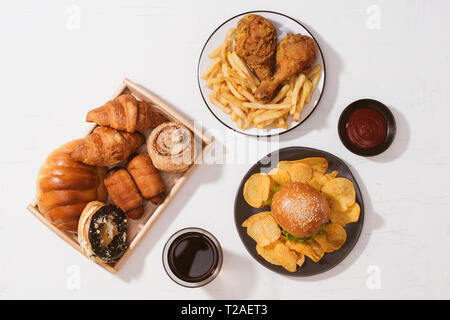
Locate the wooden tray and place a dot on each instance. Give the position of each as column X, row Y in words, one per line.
column 173, row 182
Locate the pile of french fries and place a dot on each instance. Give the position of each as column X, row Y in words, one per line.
column 233, row 85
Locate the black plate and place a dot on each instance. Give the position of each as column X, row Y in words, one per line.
column 242, row 211
column 385, row 113
column 256, row 12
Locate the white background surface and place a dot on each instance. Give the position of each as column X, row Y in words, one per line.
column 52, row 74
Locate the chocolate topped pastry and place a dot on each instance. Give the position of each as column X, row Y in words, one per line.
column 102, row 232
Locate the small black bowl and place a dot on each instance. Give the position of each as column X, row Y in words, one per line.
column 385, row 113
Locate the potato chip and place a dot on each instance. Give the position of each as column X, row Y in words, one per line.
column 310, row 249
column 280, row 176
column 318, row 164
column 349, row 216
column 319, row 179
column 300, row 172
column 331, row 175
column 300, row 259
column 258, row 189
column 279, row 254
column 285, row 257
column 268, row 252
column 263, row 228
column 332, row 238
column 340, row 193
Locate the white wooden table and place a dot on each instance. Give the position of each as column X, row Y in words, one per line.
column 60, row 59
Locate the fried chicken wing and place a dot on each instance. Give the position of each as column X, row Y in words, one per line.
column 295, row 53
column 256, row 43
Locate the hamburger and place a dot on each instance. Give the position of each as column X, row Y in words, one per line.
column 300, row 210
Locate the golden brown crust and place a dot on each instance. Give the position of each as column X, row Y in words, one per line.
column 127, row 114
column 300, row 209
column 147, row 177
column 83, row 228
column 65, row 186
column 295, row 53
column 148, row 117
column 107, row 146
column 171, row 147
column 256, row 43
column 124, row 193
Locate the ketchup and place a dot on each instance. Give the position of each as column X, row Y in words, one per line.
column 366, row 128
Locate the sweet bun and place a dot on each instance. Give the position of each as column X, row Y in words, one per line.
column 171, row 147
column 102, row 232
column 300, row 209
column 64, row 187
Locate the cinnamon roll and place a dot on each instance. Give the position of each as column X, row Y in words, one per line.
column 171, row 147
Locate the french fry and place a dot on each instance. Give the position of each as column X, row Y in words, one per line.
column 216, row 88
column 256, row 105
column 314, row 70
column 234, row 91
column 254, row 113
column 219, row 78
column 281, row 94
column 238, row 111
column 210, row 68
column 222, row 100
column 269, row 115
column 299, row 107
column 281, row 123
column 231, row 99
column 262, row 125
column 298, row 85
column 239, row 123
column 246, row 94
column 209, row 82
column 235, row 65
column 230, row 33
column 315, row 81
column 229, row 84
column 215, row 102
column 243, row 67
column 216, row 52
column 246, row 124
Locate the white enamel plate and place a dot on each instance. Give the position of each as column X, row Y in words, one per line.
column 284, row 25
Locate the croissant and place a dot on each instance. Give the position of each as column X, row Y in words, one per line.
column 107, row 146
column 64, row 187
column 147, row 178
column 127, row 114
column 124, row 193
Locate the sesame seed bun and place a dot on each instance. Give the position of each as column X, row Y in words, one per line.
column 300, row 209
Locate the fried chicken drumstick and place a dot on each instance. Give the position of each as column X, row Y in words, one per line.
column 256, row 43
column 295, row 53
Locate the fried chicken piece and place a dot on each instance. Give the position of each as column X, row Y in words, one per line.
column 295, row 53
column 256, row 43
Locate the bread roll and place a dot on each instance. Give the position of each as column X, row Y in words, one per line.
column 64, row 187
column 300, row 209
